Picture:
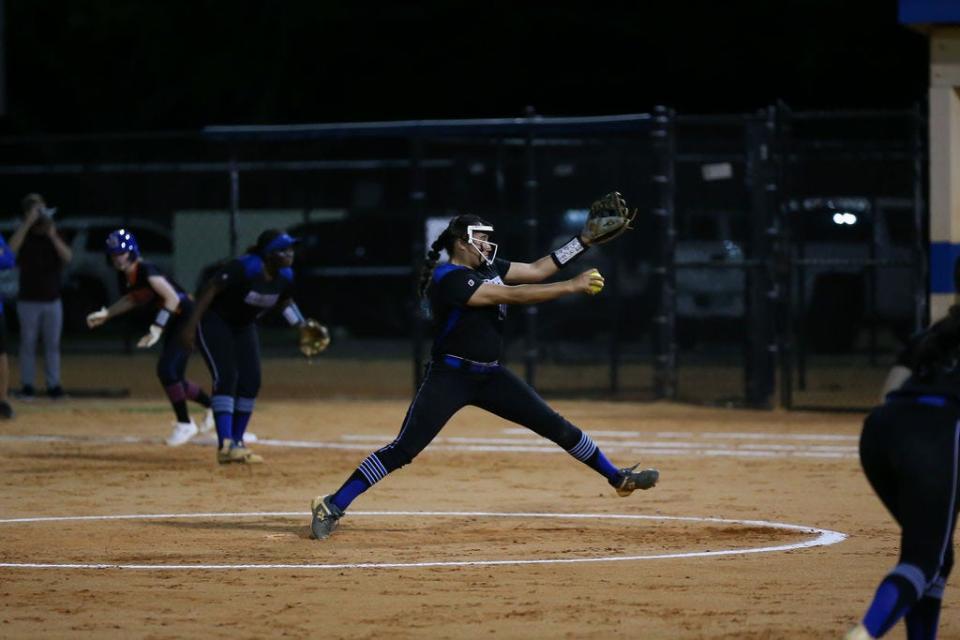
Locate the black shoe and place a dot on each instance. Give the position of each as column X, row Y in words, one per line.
column 631, row 480
column 26, row 393
column 326, row 517
column 6, row 411
column 56, row 393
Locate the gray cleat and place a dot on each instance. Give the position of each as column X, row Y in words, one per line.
column 632, row 480
column 326, row 517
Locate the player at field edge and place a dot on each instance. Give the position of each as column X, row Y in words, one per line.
column 910, row 452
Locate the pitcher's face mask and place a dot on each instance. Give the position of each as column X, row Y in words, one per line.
column 478, row 238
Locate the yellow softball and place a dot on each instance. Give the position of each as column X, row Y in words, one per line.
column 596, row 282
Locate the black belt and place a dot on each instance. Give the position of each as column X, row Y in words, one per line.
column 928, row 399
column 470, row 365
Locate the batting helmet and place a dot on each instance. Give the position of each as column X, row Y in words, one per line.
column 122, row 241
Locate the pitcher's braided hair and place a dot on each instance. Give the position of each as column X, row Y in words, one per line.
column 456, row 229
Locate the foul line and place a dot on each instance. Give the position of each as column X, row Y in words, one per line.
column 824, row 537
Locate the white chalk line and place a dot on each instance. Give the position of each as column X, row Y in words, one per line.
column 824, row 537
column 526, row 444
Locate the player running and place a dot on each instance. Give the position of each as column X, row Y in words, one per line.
column 145, row 283
column 469, row 297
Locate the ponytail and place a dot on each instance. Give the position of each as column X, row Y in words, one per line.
column 426, row 272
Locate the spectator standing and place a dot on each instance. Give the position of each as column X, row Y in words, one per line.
column 41, row 255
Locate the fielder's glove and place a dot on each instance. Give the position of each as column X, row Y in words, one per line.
column 314, row 338
column 608, row 218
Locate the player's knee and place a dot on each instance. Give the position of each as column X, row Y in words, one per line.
column 564, row 434
column 167, row 374
column 226, row 385
column 394, row 457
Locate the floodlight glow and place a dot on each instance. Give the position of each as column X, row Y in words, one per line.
column 844, row 218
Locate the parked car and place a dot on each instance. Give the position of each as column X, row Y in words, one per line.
column 831, row 240
column 90, row 281
column 834, row 296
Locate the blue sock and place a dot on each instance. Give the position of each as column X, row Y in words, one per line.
column 243, row 409
column 240, row 421
column 370, row 472
column 587, row 452
column 224, row 427
column 223, row 415
column 349, row 492
column 893, row 599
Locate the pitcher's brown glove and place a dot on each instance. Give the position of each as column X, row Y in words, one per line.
column 314, row 338
column 608, row 218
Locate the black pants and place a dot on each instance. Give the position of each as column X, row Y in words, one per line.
column 232, row 354
column 172, row 365
column 445, row 390
column 909, row 452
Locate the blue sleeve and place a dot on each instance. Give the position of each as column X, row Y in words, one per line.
column 7, row 259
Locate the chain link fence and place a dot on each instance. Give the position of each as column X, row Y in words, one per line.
column 772, row 250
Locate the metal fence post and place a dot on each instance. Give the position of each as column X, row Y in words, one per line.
column 761, row 291
column 531, row 185
column 234, row 204
column 921, row 280
column 665, row 347
column 418, row 250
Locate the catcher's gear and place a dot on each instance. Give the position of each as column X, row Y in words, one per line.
column 608, row 218
column 97, row 318
column 314, row 338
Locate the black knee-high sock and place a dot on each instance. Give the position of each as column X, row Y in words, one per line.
column 178, row 400
column 923, row 618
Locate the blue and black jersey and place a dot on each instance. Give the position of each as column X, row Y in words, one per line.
column 473, row 333
column 247, row 293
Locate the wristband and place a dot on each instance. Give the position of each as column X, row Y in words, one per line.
column 568, row 252
column 162, row 317
column 292, row 314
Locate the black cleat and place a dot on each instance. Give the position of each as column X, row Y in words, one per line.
column 632, row 480
column 326, row 517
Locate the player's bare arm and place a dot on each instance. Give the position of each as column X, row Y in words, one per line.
column 487, row 294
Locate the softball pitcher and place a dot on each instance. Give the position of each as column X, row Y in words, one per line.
column 469, row 296
column 145, row 283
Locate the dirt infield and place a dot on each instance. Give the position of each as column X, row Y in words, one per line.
column 490, row 533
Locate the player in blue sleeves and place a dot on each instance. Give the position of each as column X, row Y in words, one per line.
column 910, row 452
column 469, row 296
column 144, row 283
column 224, row 322
column 7, row 261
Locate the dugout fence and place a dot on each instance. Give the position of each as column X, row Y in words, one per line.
column 720, row 294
